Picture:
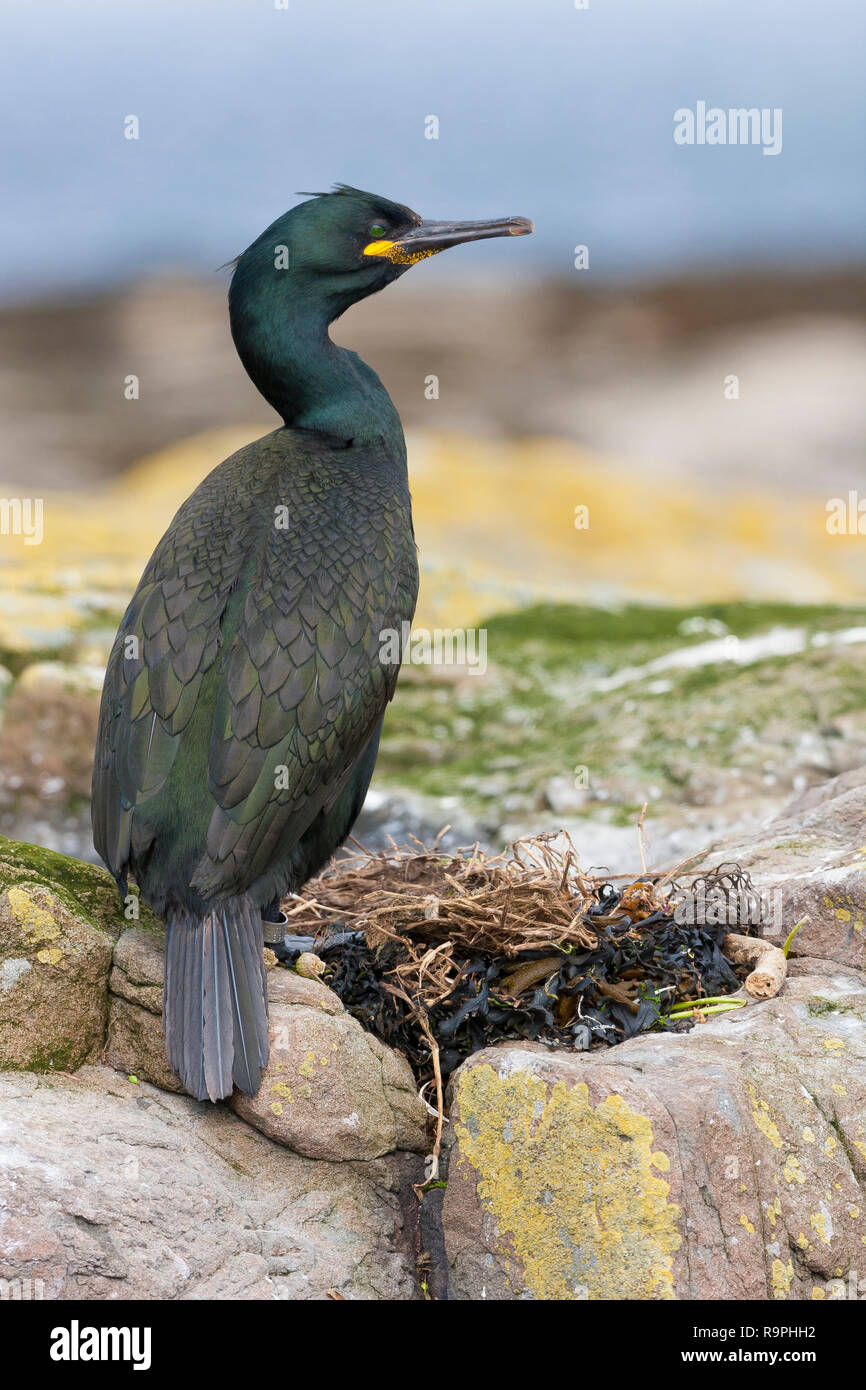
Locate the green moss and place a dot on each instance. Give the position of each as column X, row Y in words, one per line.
column 67, row 1057
column 819, row 1007
column 495, row 740
column 594, row 633
column 802, row 846
column 80, row 886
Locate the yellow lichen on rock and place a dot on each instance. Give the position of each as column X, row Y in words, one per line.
column 763, row 1119
column 793, row 1171
column 36, row 921
column 781, row 1276
column 529, row 548
column 847, row 911
column 571, row 1187
column 819, row 1221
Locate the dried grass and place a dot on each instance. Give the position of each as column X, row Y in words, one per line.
column 442, row 908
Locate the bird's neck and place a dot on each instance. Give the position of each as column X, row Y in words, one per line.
column 310, row 381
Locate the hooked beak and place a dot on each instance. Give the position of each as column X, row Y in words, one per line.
column 431, row 237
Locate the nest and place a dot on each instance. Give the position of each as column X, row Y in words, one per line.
column 447, row 953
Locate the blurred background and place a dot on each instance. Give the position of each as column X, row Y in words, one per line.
column 624, row 432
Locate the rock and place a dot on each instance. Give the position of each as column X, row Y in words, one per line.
column 125, row 1191
column 74, row 677
column 285, row 987
column 138, row 966
column 724, row 1163
column 331, row 1091
column 810, row 862
column 110, row 1190
column 401, row 815
column 46, row 756
column 36, row 624
column 564, row 796
column 136, row 1042
column 93, row 647
column 87, row 886
column 58, row 923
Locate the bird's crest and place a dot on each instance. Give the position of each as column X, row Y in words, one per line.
column 395, row 212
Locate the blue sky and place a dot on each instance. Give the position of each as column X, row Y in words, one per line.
column 560, row 114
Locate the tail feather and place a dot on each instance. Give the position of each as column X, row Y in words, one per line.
column 255, row 971
column 217, row 1050
column 215, row 1001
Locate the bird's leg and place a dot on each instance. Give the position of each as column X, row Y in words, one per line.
column 287, row 948
column 274, row 923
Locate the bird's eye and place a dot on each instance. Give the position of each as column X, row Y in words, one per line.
column 375, row 229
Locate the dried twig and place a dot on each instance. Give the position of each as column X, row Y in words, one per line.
column 640, row 822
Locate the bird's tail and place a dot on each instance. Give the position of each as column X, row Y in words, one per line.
column 215, row 1010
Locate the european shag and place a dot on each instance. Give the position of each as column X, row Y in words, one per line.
column 244, row 694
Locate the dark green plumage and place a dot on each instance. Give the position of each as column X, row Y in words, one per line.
column 244, row 693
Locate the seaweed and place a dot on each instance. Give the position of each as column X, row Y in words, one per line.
column 441, row 955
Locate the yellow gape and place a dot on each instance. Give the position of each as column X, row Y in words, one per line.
column 400, row 255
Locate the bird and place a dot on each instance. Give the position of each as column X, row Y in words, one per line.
column 245, row 691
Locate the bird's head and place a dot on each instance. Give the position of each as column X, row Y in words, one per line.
column 340, row 247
